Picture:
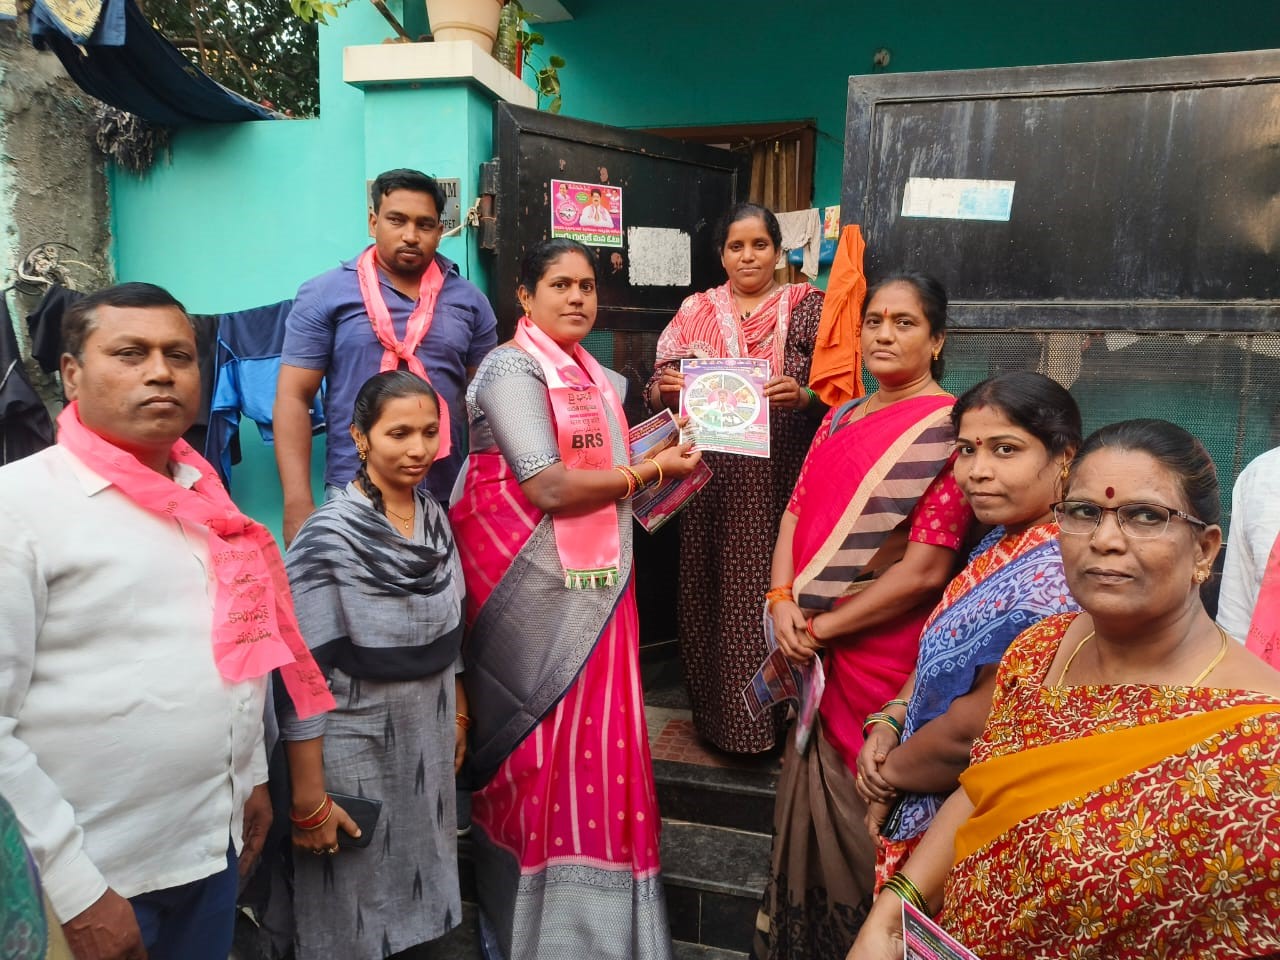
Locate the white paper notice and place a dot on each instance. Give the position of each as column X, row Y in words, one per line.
column 660, row 257
column 958, row 199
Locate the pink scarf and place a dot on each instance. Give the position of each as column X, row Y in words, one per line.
column 415, row 331
column 587, row 543
column 1264, row 628
column 254, row 627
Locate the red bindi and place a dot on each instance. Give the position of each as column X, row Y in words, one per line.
column 978, row 443
column 1111, row 492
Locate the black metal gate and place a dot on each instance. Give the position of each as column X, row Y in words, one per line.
column 1139, row 260
column 672, row 195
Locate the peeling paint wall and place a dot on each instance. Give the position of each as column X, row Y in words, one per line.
column 52, row 184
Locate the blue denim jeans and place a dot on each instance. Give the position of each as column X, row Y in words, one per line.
column 195, row 921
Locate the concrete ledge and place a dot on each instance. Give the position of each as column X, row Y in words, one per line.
column 405, row 64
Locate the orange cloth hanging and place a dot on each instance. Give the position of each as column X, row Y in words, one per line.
column 836, row 373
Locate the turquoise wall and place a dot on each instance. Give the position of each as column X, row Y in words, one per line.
column 239, row 215
column 682, row 63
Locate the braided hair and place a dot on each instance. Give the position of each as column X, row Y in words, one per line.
column 370, row 402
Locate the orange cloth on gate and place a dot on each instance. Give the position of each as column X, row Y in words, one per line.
column 836, row 373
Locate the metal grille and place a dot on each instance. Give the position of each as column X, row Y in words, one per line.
column 1223, row 388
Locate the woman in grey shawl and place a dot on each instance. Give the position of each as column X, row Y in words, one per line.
column 378, row 590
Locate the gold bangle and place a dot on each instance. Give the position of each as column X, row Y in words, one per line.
column 313, row 812
column 639, row 482
column 463, row 721
column 658, row 467
column 886, row 720
column 628, row 476
column 897, row 701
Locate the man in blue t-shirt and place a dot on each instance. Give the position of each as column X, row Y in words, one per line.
column 345, row 322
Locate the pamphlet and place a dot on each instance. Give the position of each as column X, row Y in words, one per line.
column 780, row 679
column 654, row 506
column 925, row 940
column 726, row 406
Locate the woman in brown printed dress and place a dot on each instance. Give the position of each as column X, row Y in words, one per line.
column 727, row 531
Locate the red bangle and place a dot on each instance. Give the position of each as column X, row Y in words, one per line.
column 317, row 818
column 808, row 628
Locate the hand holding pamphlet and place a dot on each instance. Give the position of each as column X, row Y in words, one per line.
column 780, row 679
column 925, row 940
column 654, row 506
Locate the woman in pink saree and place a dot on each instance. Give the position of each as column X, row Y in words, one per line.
column 864, row 549
column 565, row 816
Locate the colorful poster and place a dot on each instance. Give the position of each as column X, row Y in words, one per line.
column 925, row 940
column 726, row 406
column 654, row 506
column 590, row 213
column 831, row 223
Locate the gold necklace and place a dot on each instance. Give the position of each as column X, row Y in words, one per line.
column 1222, row 652
column 745, row 314
column 407, row 521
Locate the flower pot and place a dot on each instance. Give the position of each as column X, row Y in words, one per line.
column 474, row 20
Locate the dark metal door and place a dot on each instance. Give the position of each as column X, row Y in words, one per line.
column 1137, row 262
column 672, row 194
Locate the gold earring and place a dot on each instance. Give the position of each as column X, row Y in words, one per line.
column 1201, row 575
column 364, row 454
column 1066, row 473
column 937, row 354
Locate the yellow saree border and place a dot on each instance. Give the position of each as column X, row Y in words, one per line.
column 1009, row 789
column 858, row 503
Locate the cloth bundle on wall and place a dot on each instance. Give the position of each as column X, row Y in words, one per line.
column 244, row 384
column 25, row 424
column 836, row 373
column 802, row 230
column 111, row 51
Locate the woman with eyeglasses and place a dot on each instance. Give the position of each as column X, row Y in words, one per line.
column 1124, row 798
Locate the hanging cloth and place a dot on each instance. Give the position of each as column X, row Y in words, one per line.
column 254, row 627
column 587, row 543
column 836, row 373
column 415, row 331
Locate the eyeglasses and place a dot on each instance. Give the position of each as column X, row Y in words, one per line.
column 1142, row 521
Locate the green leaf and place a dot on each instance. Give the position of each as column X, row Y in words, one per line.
column 555, row 61
column 554, row 106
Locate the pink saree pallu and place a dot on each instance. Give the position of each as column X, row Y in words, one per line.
column 565, row 818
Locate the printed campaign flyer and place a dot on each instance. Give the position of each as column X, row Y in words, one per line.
column 925, row 940
column 726, row 406
column 590, row 213
column 780, row 679
column 654, row 506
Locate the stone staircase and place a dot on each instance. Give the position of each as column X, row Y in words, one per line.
column 717, row 814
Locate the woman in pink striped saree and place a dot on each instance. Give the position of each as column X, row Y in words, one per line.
column 565, row 815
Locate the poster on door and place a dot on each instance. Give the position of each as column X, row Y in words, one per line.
column 590, row 213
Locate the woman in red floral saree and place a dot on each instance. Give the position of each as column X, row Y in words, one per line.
column 1124, row 799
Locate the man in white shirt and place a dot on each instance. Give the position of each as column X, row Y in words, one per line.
column 136, row 769
column 1255, row 524
column 595, row 214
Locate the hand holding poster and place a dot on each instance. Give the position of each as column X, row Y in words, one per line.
column 726, row 406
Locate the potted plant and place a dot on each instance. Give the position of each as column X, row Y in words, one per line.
column 473, row 20
column 515, row 51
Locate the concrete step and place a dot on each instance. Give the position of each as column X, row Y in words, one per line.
column 714, row 877
column 738, row 798
column 697, row 951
